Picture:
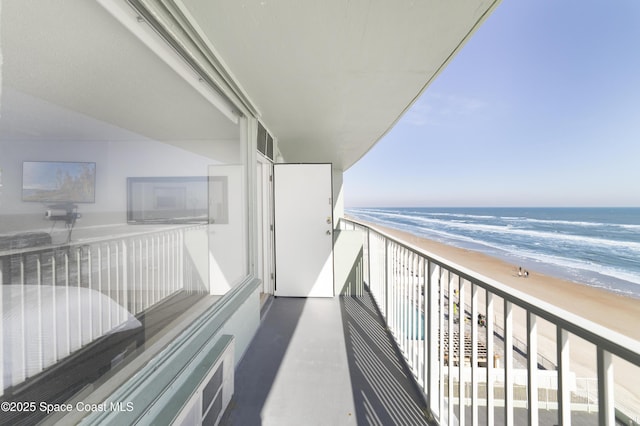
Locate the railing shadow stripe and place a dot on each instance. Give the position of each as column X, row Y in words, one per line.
column 383, row 389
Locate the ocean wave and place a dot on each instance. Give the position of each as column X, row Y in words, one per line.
column 595, row 261
column 513, row 231
column 578, row 223
column 628, row 226
column 580, row 266
column 463, row 215
column 412, row 213
column 583, row 270
column 516, row 219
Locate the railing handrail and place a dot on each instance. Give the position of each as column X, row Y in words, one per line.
column 123, row 236
column 610, row 340
column 60, row 291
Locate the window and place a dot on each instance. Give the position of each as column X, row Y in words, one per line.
column 89, row 286
column 262, row 139
column 265, row 142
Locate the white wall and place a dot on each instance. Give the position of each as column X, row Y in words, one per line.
column 338, row 196
column 244, row 324
column 115, row 162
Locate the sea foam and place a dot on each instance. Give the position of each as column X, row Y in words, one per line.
column 597, row 247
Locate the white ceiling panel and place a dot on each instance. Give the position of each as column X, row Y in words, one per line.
column 68, row 59
column 330, row 78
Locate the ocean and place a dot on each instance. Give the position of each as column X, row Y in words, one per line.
column 599, row 247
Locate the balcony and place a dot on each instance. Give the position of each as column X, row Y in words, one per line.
column 412, row 338
column 381, row 353
column 324, row 361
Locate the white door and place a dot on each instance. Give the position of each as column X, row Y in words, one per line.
column 304, row 230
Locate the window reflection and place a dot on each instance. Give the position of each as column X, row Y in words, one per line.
column 81, row 298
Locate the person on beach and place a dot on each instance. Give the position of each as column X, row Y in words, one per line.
column 519, row 271
column 482, row 320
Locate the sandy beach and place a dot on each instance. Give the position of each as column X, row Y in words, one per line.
column 615, row 312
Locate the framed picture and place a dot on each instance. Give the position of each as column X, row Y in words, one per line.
column 182, row 199
column 58, row 182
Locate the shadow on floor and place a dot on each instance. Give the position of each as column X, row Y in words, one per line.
column 257, row 372
column 324, row 361
column 383, row 391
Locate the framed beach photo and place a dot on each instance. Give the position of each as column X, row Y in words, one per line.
column 58, row 182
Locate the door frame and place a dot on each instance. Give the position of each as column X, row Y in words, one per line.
column 266, row 225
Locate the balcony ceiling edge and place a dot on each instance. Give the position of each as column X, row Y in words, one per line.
column 331, row 78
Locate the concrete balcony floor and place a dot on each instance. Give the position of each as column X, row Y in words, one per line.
column 324, row 362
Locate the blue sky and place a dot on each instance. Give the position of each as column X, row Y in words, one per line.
column 540, row 108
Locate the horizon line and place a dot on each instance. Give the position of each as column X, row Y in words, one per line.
column 493, row 207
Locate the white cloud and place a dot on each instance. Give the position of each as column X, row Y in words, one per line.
column 419, row 114
column 435, row 109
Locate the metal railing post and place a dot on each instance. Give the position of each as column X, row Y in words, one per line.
column 606, row 406
column 490, row 359
column 532, row 363
column 462, row 349
column 432, row 340
column 564, row 395
column 474, row 354
column 508, row 363
column 386, row 279
column 125, row 279
column 368, row 277
column 450, row 392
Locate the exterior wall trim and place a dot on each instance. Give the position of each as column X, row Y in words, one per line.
column 171, row 20
column 171, row 365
